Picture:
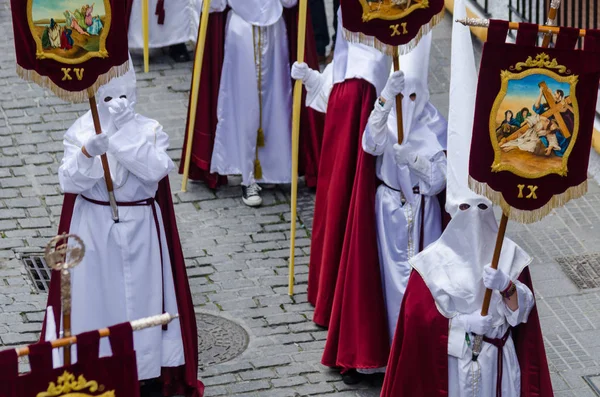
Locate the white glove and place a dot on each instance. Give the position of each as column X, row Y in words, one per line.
column 403, row 154
column 393, row 87
column 289, row 3
column 495, row 279
column 475, row 323
column 123, row 111
column 310, row 78
column 96, row 145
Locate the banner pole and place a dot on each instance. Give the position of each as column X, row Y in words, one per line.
column 398, row 100
column 196, row 75
column 146, row 34
column 296, row 143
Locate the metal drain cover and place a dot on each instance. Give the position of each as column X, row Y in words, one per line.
column 219, row 339
column 38, row 271
column 583, row 270
column 594, row 382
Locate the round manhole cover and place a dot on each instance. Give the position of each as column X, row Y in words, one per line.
column 219, row 339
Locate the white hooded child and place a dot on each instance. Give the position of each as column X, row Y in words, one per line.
column 253, row 137
column 122, row 276
column 413, row 173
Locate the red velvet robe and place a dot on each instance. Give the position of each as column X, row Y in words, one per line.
column 311, row 126
column 180, row 380
column 418, row 363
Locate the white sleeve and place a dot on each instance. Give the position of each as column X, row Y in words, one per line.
column 148, row 160
column 215, row 5
column 526, row 303
column 289, row 3
column 431, row 173
column 317, row 97
column 77, row 172
column 375, row 144
column 457, row 345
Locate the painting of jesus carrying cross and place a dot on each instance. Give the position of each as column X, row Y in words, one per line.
column 534, row 121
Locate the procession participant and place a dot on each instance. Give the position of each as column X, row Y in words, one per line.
column 174, row 24
column 413, row 173
column 440, row 313
column 311, row 121
column 253, row 136
column 346, row 189
column 134, row 268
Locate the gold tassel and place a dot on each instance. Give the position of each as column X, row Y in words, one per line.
column 260, row 138
column 72, row 96
column 257, row 169
column 371, row 41
column 523, row 216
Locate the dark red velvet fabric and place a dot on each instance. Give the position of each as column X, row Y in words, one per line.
column 418, row 363
column 358, row 335
column 116, row 46
column 348, row 111
column 177, row 380
column 352, row 17
column 499, row 56
column 206, row 111
column 311, row 121
column 116, row 373
column 9, row 372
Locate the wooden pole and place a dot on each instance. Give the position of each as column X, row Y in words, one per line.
column 65, row 283
column 554, row 5
column 198, row 60
column 104, row 332
column 104, row 159
column 485, row 23
column 146, row 34
column 495, row 259
column 398, row 101
column 296, row 142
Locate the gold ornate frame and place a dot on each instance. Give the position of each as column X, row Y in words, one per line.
column 102, row 53
column 506, row 76
column 369, row 15
column 67, row 384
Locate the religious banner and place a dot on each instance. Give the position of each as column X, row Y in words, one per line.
column 91, row 376
column 534, row 117
column 387, row 24
column 70, row 46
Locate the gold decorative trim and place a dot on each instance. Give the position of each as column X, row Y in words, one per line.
column 102, row 53
column 390, row 50
column 506, row 76
column 541, row 61
column 72, row 96
column 370, row 14
column 523, row 216
column 66, row 383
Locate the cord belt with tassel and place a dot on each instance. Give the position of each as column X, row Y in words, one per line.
column 260, row 136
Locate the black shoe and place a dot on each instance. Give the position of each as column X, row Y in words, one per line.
column 179, row 52
column 351, row 377
column 151, row 388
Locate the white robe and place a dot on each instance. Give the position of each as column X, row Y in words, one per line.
column 182, row 19
column 238, row 113
column 120, row 278
column 399, row 223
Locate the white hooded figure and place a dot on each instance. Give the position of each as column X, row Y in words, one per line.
column 122, row 276
column 253, row 136
column 456, row 268
column 413, row 173
column 182, row 19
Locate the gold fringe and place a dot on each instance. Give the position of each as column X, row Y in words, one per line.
column 523, row 216
column 72, row 96
column 260, row 138
column 358, row 37
column 257, row 169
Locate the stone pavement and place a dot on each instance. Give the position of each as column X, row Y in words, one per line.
column 237, row 256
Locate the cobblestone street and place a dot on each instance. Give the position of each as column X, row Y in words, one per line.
column 237, row 256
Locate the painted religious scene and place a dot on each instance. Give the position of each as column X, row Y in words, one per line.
column 69, row 29
column 390, row 9
column 533, row 123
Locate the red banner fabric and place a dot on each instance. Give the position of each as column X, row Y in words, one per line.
column 70, row 46
column 534, row 120
column 387, row 24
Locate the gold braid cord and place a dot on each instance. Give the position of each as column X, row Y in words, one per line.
column 260, row 136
